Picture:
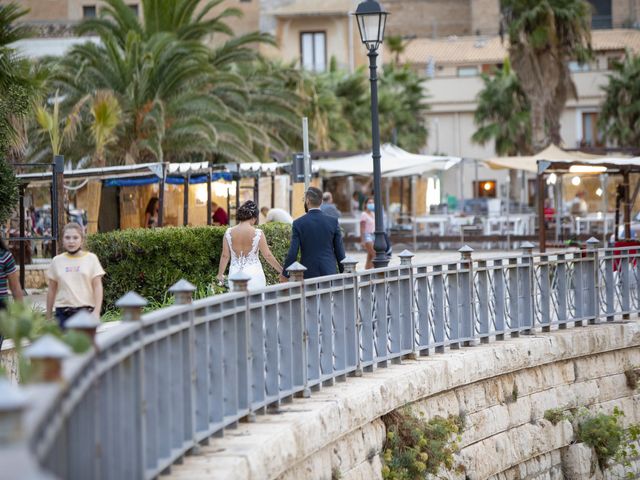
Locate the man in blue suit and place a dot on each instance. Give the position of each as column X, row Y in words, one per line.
column 318, row 236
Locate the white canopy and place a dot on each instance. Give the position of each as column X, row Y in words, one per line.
column 530, row 163
column 394, row 162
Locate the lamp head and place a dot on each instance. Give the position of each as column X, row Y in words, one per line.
column 372, row 18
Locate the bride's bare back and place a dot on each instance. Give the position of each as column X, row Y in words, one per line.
column 242, row 237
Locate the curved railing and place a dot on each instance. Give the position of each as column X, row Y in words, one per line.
column 159, row 384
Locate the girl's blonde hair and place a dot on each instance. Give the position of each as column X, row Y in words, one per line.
column 74, row 226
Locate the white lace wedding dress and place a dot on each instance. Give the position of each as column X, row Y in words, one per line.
column 249, row 263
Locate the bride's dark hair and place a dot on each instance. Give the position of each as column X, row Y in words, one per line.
column 247, row 211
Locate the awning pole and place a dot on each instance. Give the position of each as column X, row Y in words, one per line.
column 185, row 205
column 161, row 196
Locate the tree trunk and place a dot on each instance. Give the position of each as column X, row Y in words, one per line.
column 89, row 199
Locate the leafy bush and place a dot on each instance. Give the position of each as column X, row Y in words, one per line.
column 602, row 432
column 554, row 415
column 20, row 323
column 416, row 448
column 8, row 191
column 149, row 261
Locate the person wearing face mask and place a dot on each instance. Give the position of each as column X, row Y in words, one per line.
column 319, row 239
column 75, row 278
column 367, row 229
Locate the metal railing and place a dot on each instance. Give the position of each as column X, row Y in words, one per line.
column 160, row 384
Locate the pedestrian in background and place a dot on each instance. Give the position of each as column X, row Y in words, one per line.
column 8, row 278
column 75, row 278
column 328, row 207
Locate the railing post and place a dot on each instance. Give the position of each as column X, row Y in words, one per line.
column 131, row 305
column 561, row 284
column 239, row 283
column 84, row 322
column 499, row 298
column 18, row 463
column 466, row 296
column 453, row 281
column 438, row 308
column 580, row 303
column 593, row 281
column 182, row 292
column 46, row 355
column 625, row 283
column 527, row 289
column 514, row 297
column 296, row 274
column 609, row 285
column 352, row 324
column 407, row 310
column 483, row 301
column 545, row 294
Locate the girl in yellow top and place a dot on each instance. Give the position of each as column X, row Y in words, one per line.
column 75, row 278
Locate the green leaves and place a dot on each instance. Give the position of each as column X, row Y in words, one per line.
column 503, row 113
column 619, row 117
column 8, row 191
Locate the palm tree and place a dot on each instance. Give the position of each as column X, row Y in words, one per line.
column 503, row 113
column 620, row 113
column 544, row 35
column 19, row 81
column 396, row 45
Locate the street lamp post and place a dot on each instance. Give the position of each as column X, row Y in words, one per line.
column 371, row 19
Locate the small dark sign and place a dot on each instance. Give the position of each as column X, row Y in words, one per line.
column 297, row 168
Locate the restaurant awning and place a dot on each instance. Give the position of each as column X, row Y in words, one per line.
column 394, row 162
column 530, row 163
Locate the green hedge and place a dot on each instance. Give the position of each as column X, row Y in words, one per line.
column 149, row 261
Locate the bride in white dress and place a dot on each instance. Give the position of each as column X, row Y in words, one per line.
column 241, row 245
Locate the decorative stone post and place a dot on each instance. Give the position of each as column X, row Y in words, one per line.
column 296, row 272
column 349, row 264
column 182, row 290
column 239, row 281
column 405, row 258
column 84, row 322
column 46, row 355
column 131, row 305
column 12, row 405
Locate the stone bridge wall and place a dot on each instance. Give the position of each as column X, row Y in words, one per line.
column 503, row 388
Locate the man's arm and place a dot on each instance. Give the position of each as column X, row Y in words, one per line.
column 338, row 246
column 293, row 250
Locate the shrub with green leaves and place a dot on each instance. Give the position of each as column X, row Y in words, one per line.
column 8, row 191
column 20, row 323
column 603, row 432
column 149, row 261
column 416, row 448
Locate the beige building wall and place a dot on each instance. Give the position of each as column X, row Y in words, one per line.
column 429, row 18
column 625, row 13
column 44, row 10
column 485, row 17
column 337, row 31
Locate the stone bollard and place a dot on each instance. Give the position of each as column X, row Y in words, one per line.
column 405, row 258
column 131, row 305
column 182, row 290
column 84, row 322
column 349, row 264
column 13, row 402
column 239, row 281
column 46, row 355
column 296, row 272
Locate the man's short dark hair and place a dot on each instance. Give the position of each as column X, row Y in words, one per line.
column 314, row 196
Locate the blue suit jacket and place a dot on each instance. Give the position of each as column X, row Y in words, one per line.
column 318, row 236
